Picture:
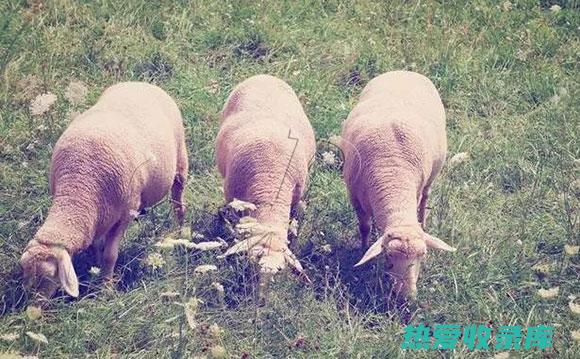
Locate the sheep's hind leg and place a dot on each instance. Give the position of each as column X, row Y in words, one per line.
column 177, row 198
column 179, row 182
column 111, row 248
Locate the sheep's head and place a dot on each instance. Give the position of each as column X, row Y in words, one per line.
column 47, row 268
column 405, row 249
column 266, row 245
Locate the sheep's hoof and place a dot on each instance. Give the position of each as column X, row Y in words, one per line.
column 109, row 287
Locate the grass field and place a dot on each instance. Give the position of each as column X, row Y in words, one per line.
column 508, row 75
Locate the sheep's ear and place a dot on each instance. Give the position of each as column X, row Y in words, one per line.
column 67, row 275
column 373, row 251
column 243, row 246
column 436, row 243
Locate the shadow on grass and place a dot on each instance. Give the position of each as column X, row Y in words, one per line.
column 333, row 275
column 366, row 288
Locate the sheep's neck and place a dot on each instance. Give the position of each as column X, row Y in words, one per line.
column 71, row 222
column 395, row 202
column 271, row 192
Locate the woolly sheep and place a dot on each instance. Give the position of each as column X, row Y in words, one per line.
column 394, row 143
column 263, row 149
column 122, row 155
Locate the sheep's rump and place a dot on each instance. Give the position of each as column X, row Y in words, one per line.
column 124, row 150
column 264, row 137
column 400, row 113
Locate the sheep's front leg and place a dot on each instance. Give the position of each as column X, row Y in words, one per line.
column 422, row 210
column 111, row 248
column 364, row 224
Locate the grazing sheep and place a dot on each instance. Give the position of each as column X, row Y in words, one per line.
column 263, row 149
column 394, row 143
column 122, row 155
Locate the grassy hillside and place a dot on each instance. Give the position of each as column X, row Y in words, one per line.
column 508, row 75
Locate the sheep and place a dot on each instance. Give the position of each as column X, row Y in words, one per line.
column 263, row 149
column 122, row 155
column 394, row 144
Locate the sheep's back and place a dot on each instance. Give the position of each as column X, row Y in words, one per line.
column 123, row 149
column 399, row 116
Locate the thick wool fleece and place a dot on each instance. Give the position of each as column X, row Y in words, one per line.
column 263, row 149
column 122, row 155
column 394, row 142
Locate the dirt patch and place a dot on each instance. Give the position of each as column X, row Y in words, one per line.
column 254, row 48
column 155, row 70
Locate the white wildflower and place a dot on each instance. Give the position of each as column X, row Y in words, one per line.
column 550, row 293
column 576, row 185
column 507, row 6
column 545, row 268
column 218, row 352
column 335, row 140
column 218, row 287
column 186, row 232
column 42, row 103
column 328, row 158
column 293, row 227
column 213, row 87
column 502, row 355
column 241, row 206
column 207, row 246
column 29, row 86
column 94, row 271
column 326, row 248
column 33, row 312
column 155, row 260
column 459, row 158
column 204, row 268
column 575, row 334
column 133, row 213
column 215, row 330
column 519, row 242
column 170, row 243
column 571, row 250
column 9, row 337
column 76, row 92
column 190, row 310
column 574, row 307
column 169, row 295
column 555, row 8
column 196, row 235
column 37, row 337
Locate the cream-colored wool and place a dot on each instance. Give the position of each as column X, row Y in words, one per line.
column 122, row 155
column 394, row 142
column 263, row 149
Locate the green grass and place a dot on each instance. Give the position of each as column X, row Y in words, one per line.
column 509, row 79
